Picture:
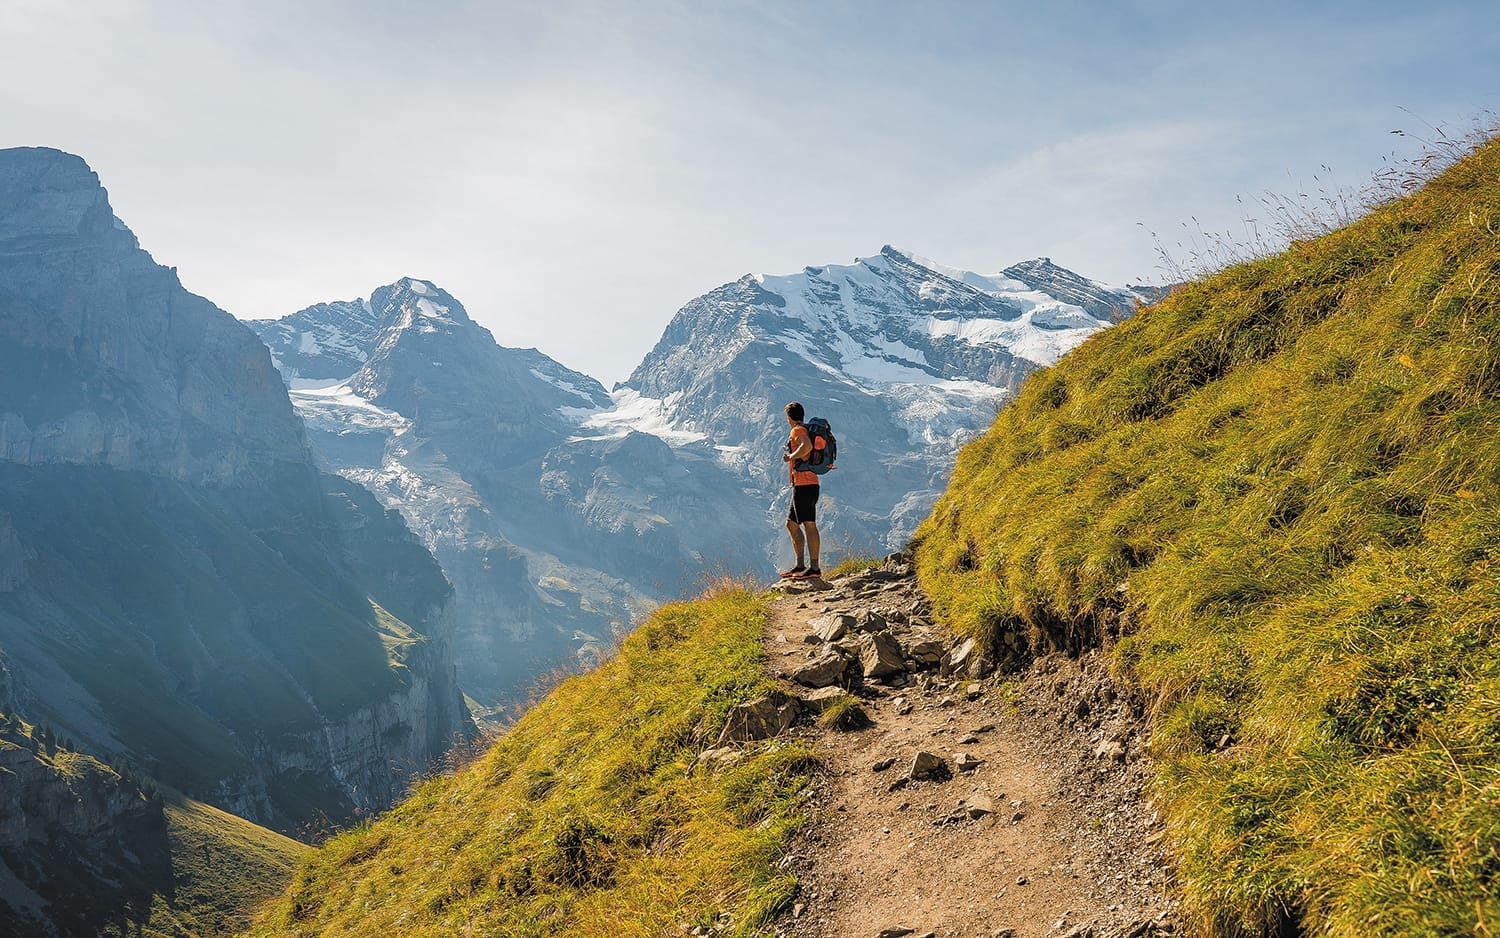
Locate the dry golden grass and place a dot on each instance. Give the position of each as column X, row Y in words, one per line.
column 589, row 817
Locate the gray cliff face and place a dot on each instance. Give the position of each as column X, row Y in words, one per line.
column 107, row 359
column 561, row 512
column 180, row 588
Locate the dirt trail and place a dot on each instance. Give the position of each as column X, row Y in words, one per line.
column 1049, row 835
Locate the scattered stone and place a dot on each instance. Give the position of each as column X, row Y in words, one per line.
column 968, row 740
column 1022, row 881
column 1018, row 817
column 894, row 931
column 816, row 701
column 1005, row 933
column 880, row 655
column 831, row 627
column 721, row 758
column 979, row 806
column 798, row 909
column 973, row 691
column 928, row 765
column 1111, row 749
column 883, row 764
column 947, row 702
column 1080, row 931
column 966, row 763
column 760, row 718
column 902, row 706
column 984, row 728
column 822, row 671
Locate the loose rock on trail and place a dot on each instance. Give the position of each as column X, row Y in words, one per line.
column 973, row 804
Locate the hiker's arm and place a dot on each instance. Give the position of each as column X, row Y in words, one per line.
column 802, row 451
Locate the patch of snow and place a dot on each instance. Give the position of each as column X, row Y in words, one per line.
column 307, row 344
column 417, row 286
column 562, row 385
column 632, row 411
column 337, row 407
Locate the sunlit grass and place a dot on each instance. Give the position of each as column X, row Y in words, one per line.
column 1276, row 495
column 591, row 815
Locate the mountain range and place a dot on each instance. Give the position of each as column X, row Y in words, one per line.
column 562, row 511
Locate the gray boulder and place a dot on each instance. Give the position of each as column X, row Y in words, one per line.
column 760, row 718
column 880, row 655
column 822, row 671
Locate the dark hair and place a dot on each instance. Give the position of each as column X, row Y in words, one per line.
column 794, row 411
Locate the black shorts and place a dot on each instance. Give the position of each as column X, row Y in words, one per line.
column 804, row 504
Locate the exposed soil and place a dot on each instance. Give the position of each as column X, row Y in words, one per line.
column 1050, row 835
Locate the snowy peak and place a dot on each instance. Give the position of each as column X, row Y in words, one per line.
column 890, row 320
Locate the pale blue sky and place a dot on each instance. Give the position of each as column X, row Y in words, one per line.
column 574, row 172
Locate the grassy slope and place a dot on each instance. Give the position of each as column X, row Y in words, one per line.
column 584, row 819
column 223, row 866
column 1282, row 487
column 166, row 867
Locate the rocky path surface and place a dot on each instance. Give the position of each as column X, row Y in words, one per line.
column 971, row 804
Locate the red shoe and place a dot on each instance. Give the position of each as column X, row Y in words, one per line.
column 811, row 573
column 794, row 573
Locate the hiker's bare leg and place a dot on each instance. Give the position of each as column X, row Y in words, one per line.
column 811, row 527
column 795, row 531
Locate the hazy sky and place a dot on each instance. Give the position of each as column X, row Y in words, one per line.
column 575, row 172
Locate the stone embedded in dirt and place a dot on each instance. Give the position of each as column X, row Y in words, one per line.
column 968, row 659
column 883, row 764
column 1080, row 931
column 816, row 701
column 926, row 652
column 966, row 763
column 1018, row 817
column 902, row 706
column 927, row 765
column 1005, row 933
column 822, row 671
column 867, row 621
column 968, row 740
column 894, row 931
column 979, row 806
column 1022, row 881
column 973, row 691
column 947, row 702
column 1111, row 749
column 831, row 627
column 760, row 718
column 983, row 728
column 880, row 655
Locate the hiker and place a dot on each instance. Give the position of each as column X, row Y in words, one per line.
column 802, row 517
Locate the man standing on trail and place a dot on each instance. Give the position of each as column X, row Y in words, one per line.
column 802, row 517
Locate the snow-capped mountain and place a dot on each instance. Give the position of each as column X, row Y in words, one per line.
column 905, row 357
column 560, row 510
column 551, row 513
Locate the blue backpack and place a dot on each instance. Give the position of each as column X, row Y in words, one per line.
column 825, row 447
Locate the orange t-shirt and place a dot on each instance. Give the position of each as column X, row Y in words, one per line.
column 800, row 438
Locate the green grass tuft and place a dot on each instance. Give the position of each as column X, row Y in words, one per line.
column 1276, row 494
column 844, row 713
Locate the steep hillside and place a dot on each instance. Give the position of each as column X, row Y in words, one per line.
column 1275, row 495
column 593, row 815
